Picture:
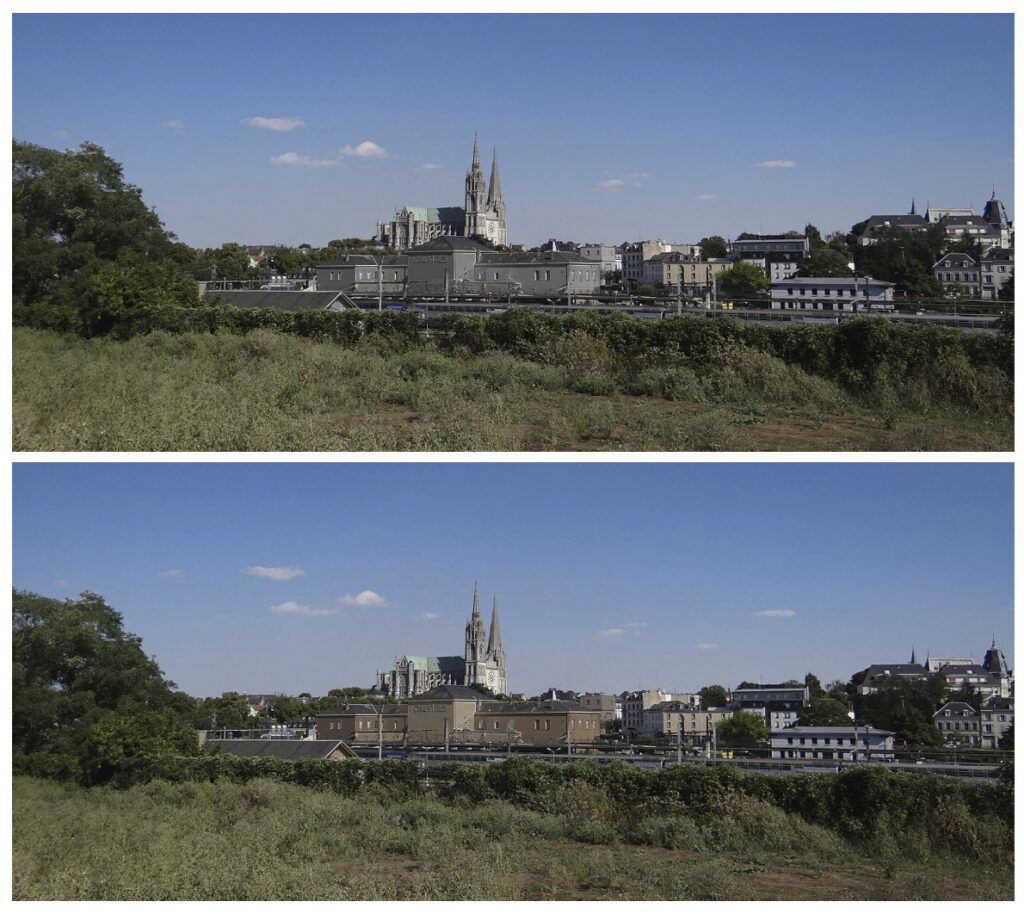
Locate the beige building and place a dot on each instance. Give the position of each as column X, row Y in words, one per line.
column 357, row 723
column 596, row 701
column 536, row 722
column 669, row 270
column 455, row 714
column 675, row 720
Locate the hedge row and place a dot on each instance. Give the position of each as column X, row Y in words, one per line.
column 862, row 354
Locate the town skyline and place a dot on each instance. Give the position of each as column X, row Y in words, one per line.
column 293, row 577
column 608, row 128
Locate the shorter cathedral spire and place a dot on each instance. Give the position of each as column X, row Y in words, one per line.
column 476, row 154
column 476, row 603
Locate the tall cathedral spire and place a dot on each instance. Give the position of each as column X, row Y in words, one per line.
column 476, row 602
column 476, row 154
column 494, row 193
column 494, row 641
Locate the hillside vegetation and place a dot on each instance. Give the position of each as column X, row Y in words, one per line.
column 512, row 831
column 216, row 378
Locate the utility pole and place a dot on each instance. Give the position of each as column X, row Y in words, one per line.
column 380, row 284
column 679, row 740
column 380, row 732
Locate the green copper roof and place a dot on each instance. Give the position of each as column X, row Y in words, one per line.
column 435, row 664
column 436, row 213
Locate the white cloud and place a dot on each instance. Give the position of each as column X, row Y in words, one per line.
column 775, row 613
column 365, row 150
column 175, row 126
column 363, row 598
column 60, row 582
column 776, row 163
column 637, row 174
column 427, row 166
column 621, row 631
column 297, row 609
column 707, row 196
column 707, row 647
column 428, row 617
column 293, row 158
column 274, row 123
column 610, row 634
column 175, row 573
column 60, row 134
column 611, row 184
column 275, row 574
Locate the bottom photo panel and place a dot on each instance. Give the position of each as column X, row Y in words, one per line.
column 488, row 681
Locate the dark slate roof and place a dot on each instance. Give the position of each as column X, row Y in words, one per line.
column 527, row 257
column 529, row 707
column 353, row 709
column 965, row 220
column 954, row 707
column 291, row 750
column 349, row 260
column 894, row 669
column 999, row 254
column 445, row 692
column 998, row 704
column 449, row 243
column 905, row 220
column 278, row 301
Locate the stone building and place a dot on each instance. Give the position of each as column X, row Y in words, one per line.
column 483, row 663
column 483, row 214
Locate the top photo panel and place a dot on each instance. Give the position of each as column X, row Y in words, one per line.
column 501, row 233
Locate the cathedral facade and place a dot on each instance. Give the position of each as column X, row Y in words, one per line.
column 483, row 214
column 482, row 664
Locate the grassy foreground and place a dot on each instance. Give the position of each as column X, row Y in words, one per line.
column 269, row 391
column 265, row 840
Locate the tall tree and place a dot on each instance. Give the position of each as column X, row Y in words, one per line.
column 713, row 696
column 713, row 246
column 74, row 666
column 742, row 280
column 73, row 210
column 744, row 728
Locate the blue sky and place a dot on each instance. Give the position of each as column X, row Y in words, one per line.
column 291, row 577
column 303, row 128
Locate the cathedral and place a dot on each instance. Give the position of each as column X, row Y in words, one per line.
column 483, row 663
column 483, row 214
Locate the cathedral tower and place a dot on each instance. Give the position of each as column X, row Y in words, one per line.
column 485, row 208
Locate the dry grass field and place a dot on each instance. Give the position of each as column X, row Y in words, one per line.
column 269, row 391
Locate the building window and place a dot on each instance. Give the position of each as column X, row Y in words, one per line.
column 547, row 724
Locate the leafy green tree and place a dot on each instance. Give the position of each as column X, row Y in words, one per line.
column 229, row 261
column 824, row 261
column 824, row 712
column 905, row 707
column 73, row 666
column 1006, row 740
column 713, row 246
column 742, row 280
column 73, row 213
column 904, row 258
column 713, row 696
column 813, row 236
column 229, row 712
column 1006, row 292
column 813, row 684
column 287, row 708
column 744, row 728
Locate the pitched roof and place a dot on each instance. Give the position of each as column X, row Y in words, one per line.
column 278, row 301
column 434, row 664
column 291, row 750
column 348, row 260
column 447, row 692
column 452, row 214
column 530, row 707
